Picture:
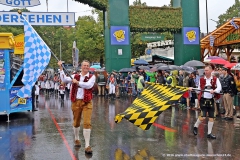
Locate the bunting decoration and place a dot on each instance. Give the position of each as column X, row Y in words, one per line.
column 154, row 99
column 234, row 24
column 211, row 40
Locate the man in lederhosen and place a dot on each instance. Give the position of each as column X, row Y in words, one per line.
column 212, row 85
column 81, row 97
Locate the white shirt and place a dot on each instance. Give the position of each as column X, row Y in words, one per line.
column 83, row 85
column 208, row 95
column 36, row 90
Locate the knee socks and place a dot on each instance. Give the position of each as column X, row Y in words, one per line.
column 86, row 134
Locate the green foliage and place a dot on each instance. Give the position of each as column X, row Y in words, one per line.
column 231, row 12
column 139, row 3
column 15, row 30
column 146, row 19
column 155, row 19
column 98, row 4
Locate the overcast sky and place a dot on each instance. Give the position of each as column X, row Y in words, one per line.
column 215, row 8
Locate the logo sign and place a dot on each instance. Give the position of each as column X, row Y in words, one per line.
column 20, row 3
column 19, row 44
column 22, row 101
column 152, row 37
column 38, row 18
column 191, row 35
column 119, row 35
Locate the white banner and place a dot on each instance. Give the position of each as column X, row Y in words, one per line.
column 147, row 58
column 38, row 18
column 20, row 3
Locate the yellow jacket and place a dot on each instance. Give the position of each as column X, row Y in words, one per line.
column 237, row 84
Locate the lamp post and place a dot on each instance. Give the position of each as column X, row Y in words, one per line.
column 60, row 49
column 67, row 5
column 207, row 16
column 214, row 20
column 60, row 44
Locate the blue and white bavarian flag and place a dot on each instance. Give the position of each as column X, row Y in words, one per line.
column 36, row 58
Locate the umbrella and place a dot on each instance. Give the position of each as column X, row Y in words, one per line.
column 140, row 62
column 92, row 69
column 144, row 67
column 99, row 70
column 174, row 67
column 218, row 61
column 229, row 65
column 154, row 69
column 236, row 67
column 160, row 64
column 194, row 63
column 214, row 57
column 200, row 72
column 187, row 68
column 151, row 66
column 96, row 66
column 127, row 70
column 164, row 68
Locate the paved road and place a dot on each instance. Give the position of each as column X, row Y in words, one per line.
column 47, row 134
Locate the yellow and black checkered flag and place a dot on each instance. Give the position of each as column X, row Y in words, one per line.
column 149, row 105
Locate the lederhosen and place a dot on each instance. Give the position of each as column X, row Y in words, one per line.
column 80, row 106
column 207, row 105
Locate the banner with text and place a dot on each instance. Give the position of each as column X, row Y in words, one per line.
column 38, row 18
column 20, row 3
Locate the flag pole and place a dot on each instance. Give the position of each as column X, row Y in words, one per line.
column 20, row 12
column 196, row 89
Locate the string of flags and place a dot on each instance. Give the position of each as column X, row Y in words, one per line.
column 234, row 24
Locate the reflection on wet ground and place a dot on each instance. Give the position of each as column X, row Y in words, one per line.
column 47, row 134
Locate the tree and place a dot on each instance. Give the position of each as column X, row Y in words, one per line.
column 233, row 11
column 90, row 39
column 139, row 3
column 88, row 33
column 171, row 3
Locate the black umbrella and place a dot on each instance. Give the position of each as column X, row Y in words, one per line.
column 127, row 70
column 140, row 62
column 194, row 63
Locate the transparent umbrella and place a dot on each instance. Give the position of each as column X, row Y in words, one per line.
column 164, row 68
column 194, row 63
column 127, row 70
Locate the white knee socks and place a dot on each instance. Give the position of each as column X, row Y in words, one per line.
column 197, row 123
column 86, row 134
column 210, row 126
column 196, row 103
column 76, row 132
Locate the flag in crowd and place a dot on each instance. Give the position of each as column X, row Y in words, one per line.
column 36, row 58
column 150, row 104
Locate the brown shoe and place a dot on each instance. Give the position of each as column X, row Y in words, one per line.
column 77, row 143
column 88, row 150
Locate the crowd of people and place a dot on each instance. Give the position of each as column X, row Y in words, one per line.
column 116, row 84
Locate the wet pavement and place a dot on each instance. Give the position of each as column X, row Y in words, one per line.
column 47, row 134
